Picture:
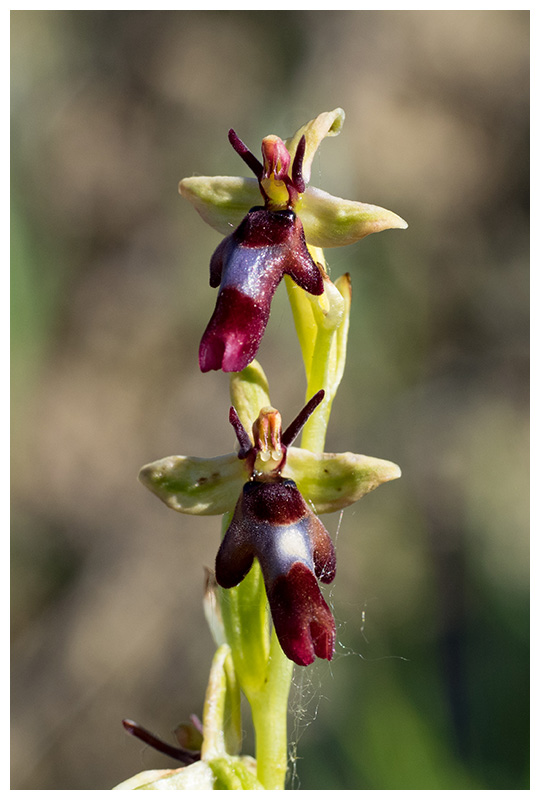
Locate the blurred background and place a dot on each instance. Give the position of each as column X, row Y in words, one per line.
column 429, row 685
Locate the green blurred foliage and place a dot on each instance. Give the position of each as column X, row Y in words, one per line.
column 429, row 686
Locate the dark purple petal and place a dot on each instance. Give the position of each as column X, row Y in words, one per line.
column 304, row 624
column 241, row 434
column 300, row 420
column 245, row 154
column 296, row 173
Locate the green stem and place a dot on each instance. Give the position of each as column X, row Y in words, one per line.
column 314, row 433
column 269, row 709
column 263, row 671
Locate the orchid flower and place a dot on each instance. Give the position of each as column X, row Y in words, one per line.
column 272, row 240
column 273, row 522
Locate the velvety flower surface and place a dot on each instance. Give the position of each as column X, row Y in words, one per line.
column 248, row 265
column 273, row 523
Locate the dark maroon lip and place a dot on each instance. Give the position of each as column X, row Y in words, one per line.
column 232, row 337
column 273, row 523
column 304, row 624
column 248, row 266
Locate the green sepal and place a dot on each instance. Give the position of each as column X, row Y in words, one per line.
column 196, row 485
column 334, row 222
column 222, row 201
column 332, row 481
column 249, row 393
column 329, row 123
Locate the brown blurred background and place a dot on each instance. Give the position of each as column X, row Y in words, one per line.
column 110, row 295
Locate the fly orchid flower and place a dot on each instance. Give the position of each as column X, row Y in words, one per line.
column 276, row 491
column 272, row 240
column 273, row 523
column 249, row 264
